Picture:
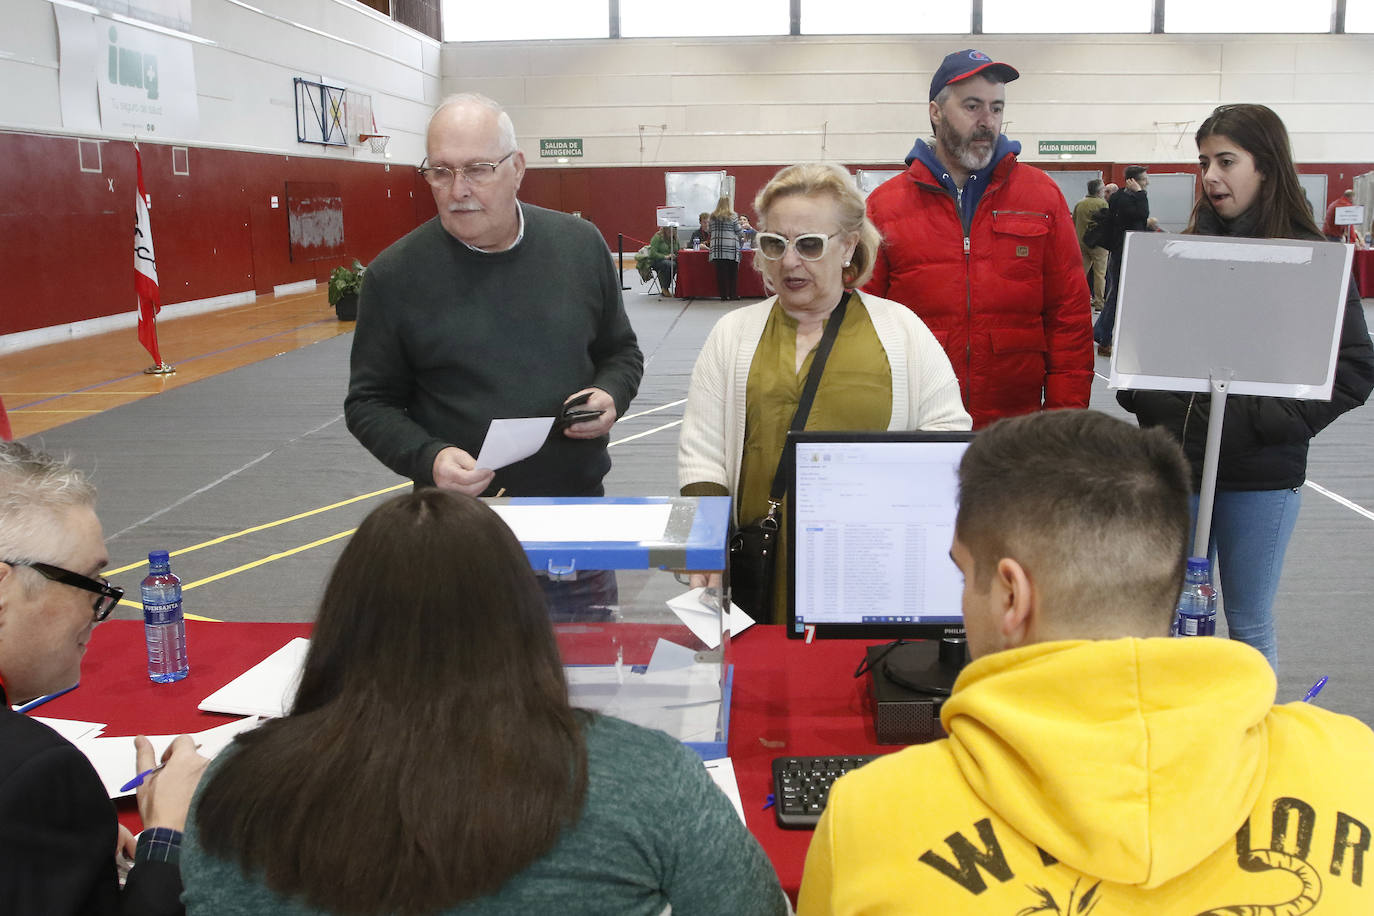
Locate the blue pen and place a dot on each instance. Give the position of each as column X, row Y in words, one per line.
column 1316, row 689
column 138, row 780
column 34, row 704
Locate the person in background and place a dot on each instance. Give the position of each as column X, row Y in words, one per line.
column 746, row 232
column 885, row 371
column 58, row 832
column 431, row 761
column 1348, row 234
column 1130, row 208
column 1093, row 764
column 494, row 309
column 663, row 249
column 1251, row 190
column 983, row 250
column 701, row 236
column 725, row 246
column 1094, row 258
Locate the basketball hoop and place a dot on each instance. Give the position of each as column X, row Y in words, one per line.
column 377, row 142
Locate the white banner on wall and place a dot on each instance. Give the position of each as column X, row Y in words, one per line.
column 171, row 14
column 136, row 81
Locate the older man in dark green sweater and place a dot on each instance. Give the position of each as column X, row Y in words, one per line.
column 494, row 309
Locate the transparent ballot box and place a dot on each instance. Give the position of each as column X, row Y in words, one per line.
column 637, row 642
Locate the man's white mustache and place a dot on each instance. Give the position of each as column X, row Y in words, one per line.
column 463, row 208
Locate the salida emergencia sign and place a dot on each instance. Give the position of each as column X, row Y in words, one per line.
column 1073, row 147
column 566, row 146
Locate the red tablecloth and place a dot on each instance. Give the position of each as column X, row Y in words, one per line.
column 789, row 698
column 1364, row 271
column 696, row 276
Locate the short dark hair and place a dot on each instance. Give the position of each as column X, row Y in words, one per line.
column 1094, row 186
column 1282, row 209
column 432, row 717
column 1135, row 171
column 1094, row 508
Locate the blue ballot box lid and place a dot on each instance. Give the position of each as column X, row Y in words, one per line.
column 567, row 534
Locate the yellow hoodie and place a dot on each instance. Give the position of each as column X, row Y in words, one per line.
column 1131, row 776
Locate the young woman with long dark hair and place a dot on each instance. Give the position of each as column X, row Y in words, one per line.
column 1250, row 189
column 431, row 762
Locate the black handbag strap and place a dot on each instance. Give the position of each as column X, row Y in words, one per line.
column 813, row 381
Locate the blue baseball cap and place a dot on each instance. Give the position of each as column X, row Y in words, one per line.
column 962, row 64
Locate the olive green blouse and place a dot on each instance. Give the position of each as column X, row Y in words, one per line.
column 855, row 393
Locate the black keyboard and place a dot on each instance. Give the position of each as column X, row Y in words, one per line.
column 801, row 786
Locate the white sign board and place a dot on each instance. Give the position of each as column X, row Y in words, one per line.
column 1349, row 216
column 1269, row 311
column 673, row 216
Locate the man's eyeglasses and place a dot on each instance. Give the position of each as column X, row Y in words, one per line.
column 810, row 246
column 475, row 173
column 107, row 595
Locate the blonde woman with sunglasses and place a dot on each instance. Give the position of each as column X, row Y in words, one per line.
column 815, row 247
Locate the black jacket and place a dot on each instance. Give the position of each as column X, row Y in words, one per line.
column 58, row 831
column 1129, row 209
column 1264, row 440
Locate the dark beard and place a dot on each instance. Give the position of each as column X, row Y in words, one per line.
column 960, row 149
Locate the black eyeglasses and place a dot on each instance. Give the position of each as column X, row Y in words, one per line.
column 475, row 173
column 107, row 595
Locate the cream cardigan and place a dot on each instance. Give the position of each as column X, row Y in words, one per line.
column 925, row 393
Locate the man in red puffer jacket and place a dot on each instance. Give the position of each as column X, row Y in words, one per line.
column 984, row 250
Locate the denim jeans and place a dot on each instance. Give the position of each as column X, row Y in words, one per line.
column 1250, row 533
column 1105, row 325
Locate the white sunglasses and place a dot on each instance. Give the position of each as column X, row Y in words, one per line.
column 810, row 246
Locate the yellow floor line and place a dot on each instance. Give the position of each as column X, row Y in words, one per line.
column 264, row 527
column 247, row 566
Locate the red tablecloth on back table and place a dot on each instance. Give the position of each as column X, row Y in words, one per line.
column 696, row 276
column 789, row 699
column 1364, row 271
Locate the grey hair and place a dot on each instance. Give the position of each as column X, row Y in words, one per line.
column 35, row 487
column 503, row 122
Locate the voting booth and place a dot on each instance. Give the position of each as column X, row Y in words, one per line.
column 659, row 656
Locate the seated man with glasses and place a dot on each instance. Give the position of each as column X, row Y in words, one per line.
column 58, row 831
column 884, row 369
column 495, row 309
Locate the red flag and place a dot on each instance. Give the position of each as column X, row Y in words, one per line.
column 145, row 269
column 5, row 433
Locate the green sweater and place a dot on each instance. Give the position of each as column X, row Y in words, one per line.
column 449, row 339
column 654, row 831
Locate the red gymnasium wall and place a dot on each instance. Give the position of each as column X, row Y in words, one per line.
column 68, row 234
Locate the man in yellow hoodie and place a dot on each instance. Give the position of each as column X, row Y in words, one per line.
column 1093, row 765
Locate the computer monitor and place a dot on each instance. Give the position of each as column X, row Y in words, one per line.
column 870, row 519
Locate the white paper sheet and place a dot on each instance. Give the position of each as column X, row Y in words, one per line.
column 633, row 522
column 71, row 729
column 722, row 772
column 115, row 762
column 682, row 701
column 508, row 441
column 267, row 688
column 701, row 620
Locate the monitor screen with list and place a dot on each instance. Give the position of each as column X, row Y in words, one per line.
column 870, row 517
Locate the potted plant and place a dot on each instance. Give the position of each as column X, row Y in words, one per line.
column 344, row 283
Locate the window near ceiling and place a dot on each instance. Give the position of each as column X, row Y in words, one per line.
column 883, row 17
column 1359, row 15
column 703, row 18
column 1242, row 16
column 485, row 20
column 1019, row 17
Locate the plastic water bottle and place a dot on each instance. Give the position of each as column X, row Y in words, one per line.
column 164, row 627
column 1197, row 605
